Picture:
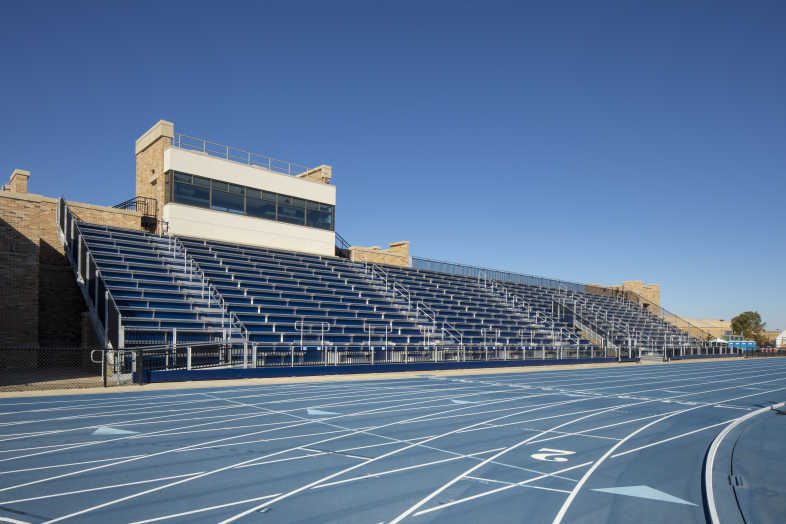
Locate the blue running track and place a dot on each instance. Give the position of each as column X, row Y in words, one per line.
column 616, row 444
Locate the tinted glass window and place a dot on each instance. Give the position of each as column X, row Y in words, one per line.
column 292, row 210
column 199, row 181
column 223, row 201
column 319, row 215
column 257, row 207
column 191, row 195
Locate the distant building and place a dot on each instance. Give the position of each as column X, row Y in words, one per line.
column 780, row 340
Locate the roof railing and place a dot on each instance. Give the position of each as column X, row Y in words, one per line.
column 234, row 154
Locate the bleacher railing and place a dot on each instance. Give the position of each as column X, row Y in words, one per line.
column 237, row 155
column 191, row 267
column 481, row 273
column 145, row 205
column 192, row 356
column 484, row 273
column 418, row 307
column 100, row 300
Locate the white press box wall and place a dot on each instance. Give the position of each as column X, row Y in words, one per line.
column 217, row 225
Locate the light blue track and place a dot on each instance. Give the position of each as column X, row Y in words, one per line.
column 618, row 444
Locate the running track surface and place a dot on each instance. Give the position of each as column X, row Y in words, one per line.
column 616, row 444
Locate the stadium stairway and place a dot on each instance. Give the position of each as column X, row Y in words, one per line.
column 158, row 297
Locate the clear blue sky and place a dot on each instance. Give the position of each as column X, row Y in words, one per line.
column 590, row 143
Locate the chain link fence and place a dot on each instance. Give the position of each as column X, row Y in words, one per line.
column 27, row 368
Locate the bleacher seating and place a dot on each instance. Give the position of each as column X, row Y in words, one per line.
column 151, row 288
column 284, row 299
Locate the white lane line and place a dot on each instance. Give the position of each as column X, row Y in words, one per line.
column 385, row 398
column 445, row 486
column 13, row 521
column 309, row 485
column 710, row 462
column 412, row 509
column 65, row 465
column 563, row 510
column 405, row 468
column 515, row 484
column 385, row 455
column 201, row 510
column 100, row 488
column 497, row 490
column 254, row 459
column 305, row 448
column 675, row 437
column 180, row 430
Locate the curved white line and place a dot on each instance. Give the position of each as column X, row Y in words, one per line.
column 710, row 462
column 583, row 480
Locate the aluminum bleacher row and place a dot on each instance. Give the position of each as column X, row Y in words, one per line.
column 151, row 288
column 190, row 289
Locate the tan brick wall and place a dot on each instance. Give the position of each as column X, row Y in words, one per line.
column 19, row 237
column 40, row 302
column 19, row 180
column 396, row 255
column 650, row 292
column 321, row 174
column 150, row 171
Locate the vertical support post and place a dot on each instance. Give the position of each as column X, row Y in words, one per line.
column 188, row 358
column 245, row 354
column 106, row 315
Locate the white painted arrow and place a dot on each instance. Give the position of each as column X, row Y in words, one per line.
column 106, row 430
column 313, row 411
column 645, row 492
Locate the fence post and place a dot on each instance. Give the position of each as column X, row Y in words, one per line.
column 253, row 355
column 188, row 358
column 245, row 354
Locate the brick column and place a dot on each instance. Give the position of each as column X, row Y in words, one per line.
column 149, row 151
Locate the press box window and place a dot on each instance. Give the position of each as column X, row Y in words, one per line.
column 186, row 190
column 228, row 197
column 319, row 215
column 292, row 210
column 261, row 204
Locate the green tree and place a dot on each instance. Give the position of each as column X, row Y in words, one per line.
column 749, row 325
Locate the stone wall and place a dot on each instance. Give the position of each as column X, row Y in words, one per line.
column 40, row 303
column 396, row 255
column 150, row 147
column 649, row 292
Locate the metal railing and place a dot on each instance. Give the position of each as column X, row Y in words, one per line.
column 483, row 273
column 417, row 307
column 145, row 205
column 137, row 363
column 191, row 267
column 237, row 155
column 563, row 287
column 102, row 305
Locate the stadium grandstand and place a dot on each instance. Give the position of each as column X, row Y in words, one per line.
column 227, row 263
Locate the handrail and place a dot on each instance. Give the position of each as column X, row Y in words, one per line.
column 420, row 307
column 234, row 154
column 212, row 290
column 582, row 323
column 665, row 314
column 140, row 203
column 341, row 242
column 66, row 220
column 492, row 274
column 560, row 285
